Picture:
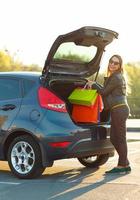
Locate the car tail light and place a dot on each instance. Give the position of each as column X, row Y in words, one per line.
column 50, row 101
column 60, row 144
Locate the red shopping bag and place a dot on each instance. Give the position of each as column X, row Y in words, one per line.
column 87, row 114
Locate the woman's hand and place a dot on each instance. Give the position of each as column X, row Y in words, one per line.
column 89, row 84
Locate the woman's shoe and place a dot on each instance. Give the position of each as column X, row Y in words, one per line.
column 123, row 170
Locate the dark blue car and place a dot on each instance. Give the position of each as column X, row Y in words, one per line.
column 36, row 125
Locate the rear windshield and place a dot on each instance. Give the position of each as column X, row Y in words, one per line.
column 72, row 52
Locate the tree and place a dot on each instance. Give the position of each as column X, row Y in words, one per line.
column 5, row 61
column 8, row 63
column 133, row 73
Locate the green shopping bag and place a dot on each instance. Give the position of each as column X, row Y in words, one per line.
column 83, row 96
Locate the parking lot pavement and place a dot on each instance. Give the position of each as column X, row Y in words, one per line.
column 68, row 179
column 133, row 136
column 133, row 125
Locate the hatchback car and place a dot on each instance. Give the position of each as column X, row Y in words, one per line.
column 36, row 124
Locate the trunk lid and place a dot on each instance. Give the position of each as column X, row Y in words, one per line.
column 78, row 53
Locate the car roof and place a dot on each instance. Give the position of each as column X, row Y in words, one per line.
column 21, row 74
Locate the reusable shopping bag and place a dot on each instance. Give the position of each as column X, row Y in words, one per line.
column 82, row 96
column 88, row 114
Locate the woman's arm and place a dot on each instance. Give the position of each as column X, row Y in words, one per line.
column 109, row 87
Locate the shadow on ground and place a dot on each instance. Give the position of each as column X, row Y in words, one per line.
column 67, row 184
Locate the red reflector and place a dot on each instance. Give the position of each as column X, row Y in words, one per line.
column 60, row 144
column 50, row 101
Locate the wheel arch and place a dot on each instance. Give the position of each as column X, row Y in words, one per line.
column 17, row 133
column 12, row 136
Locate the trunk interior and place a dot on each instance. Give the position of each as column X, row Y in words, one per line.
column 64, row 87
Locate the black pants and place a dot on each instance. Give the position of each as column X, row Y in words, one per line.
column 119, row 116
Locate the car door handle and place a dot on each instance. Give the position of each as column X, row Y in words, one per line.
column 8, row 107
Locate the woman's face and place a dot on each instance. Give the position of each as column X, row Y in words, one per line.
column 114, row 64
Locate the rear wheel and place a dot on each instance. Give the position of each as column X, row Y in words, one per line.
column 24, row 158
column 94, row 161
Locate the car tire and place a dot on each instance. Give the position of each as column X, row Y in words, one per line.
column 94, row 161
column 24, row 158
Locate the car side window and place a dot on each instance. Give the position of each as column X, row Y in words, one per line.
column 27, row 85
column 9, row 89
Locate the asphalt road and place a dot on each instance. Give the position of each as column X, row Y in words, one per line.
column 68, row 179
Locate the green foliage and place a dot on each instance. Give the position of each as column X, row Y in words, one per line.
column 7, row 63
column 133, row 73
column 71, row 57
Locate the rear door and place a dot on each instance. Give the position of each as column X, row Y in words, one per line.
column 10, row 101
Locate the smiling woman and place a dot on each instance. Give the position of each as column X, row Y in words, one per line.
column 114, row 95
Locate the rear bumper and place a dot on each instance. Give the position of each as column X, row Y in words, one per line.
column 83, row 140
column 88, row 148
column 82, row 148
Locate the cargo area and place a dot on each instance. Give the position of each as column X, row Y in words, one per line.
column 64, row 87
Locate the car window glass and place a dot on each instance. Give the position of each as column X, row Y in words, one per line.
column 73, row 52
column 9, row 89
column 27, row 85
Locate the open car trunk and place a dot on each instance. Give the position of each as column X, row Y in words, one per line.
column 74, row 57
column 64, row 87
